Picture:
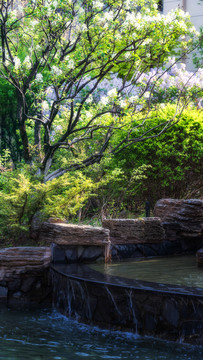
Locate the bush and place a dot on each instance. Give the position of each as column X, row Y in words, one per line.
column 176, row 157
column 22, row 196
column 169, row 166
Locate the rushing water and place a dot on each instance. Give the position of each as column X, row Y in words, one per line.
column 46, row 335
column 178, row 270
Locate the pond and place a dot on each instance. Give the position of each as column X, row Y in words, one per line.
column 47, row 335
column 176, row 270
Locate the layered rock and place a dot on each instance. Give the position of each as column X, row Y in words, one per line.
column 135, row 231
column 69, row 234
column 182, row 220
column 21, row 260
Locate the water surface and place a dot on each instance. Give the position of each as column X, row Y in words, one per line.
column 47, row 335
column 177, row 270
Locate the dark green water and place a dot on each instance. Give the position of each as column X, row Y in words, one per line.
column 180, row 270
column 48, row 335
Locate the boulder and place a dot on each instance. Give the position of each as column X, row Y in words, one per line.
column 182, row 220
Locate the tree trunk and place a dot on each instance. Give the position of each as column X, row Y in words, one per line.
column 22, row 117
column 37, row 139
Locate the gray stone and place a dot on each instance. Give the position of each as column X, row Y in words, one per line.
column 3, row 292
column 58, row 254
column 92, row 253
column 17, row 294
column 27, row 284
column 71, row 253
column 14, row 285
column 80, row 250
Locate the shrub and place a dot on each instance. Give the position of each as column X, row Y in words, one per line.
column 22, row 196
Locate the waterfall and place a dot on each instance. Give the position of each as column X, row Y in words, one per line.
column 113, row 300
column 132, row 308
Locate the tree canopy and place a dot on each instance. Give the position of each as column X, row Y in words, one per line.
column 59, row 55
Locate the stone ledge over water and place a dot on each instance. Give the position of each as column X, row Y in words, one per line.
column 135, row 231
column 69, row 234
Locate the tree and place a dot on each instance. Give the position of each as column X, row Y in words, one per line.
column 57, row 55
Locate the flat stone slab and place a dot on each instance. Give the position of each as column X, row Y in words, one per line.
column 20, row 260
column 135, row 231
column 69, row 234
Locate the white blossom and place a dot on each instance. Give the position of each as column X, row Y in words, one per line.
column 98, row 4
column 27, row 62
column 112, row 93
column 88, row 114
column 133, row 99
column 104, row 100
column 17, row 63
column 109, row 16
column 71, row 64
column 58, row 128
column 89, row 99
column 122, row 103
column 39, row 78
column 146, row 95
column 84, row 28
column 45, row 105
column 56, row 71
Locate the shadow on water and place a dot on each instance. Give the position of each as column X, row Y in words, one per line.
column 48, row 335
